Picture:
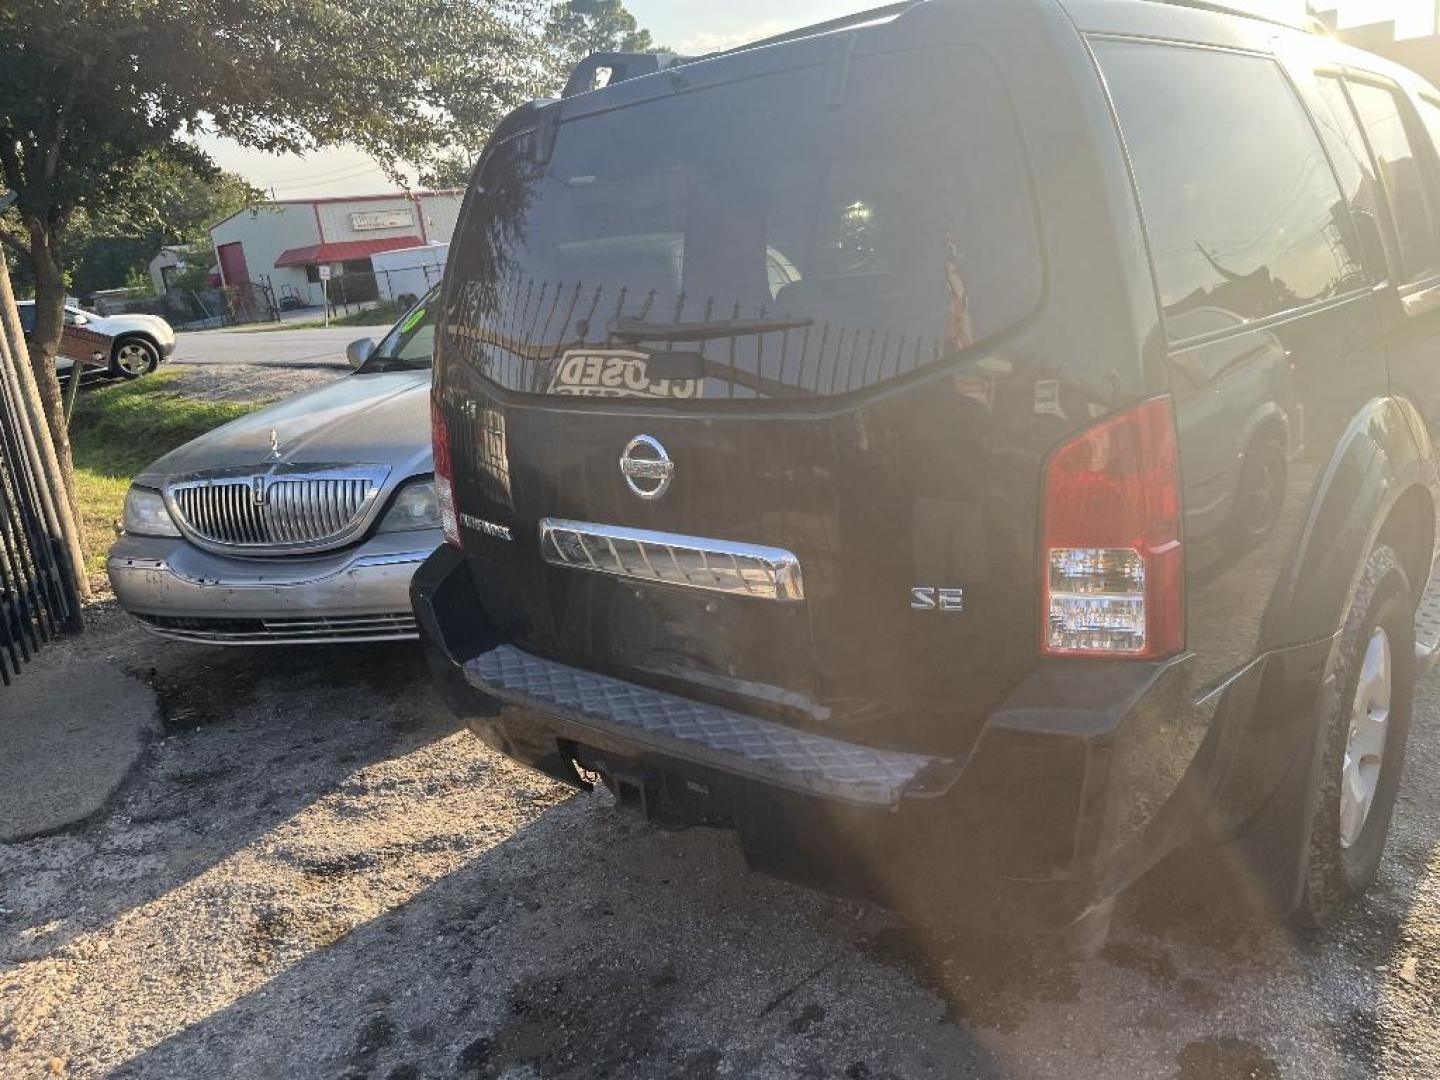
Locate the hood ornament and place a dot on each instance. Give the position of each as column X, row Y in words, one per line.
column 275, row 445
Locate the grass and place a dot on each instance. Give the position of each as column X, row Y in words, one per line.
column 119, row 429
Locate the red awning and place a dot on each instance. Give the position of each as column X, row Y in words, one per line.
column 344, row 251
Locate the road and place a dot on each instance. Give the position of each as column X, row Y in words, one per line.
column 270, row 348
column 317, row 875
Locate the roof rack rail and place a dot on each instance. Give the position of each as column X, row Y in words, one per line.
column 1237, row 7
column 859, row 18
column 621, row 66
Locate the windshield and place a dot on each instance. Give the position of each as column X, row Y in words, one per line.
column 410, row 344
column 787, row 246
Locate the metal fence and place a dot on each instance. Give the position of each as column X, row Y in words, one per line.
column 386, row 292
column 393, row 291
column 203, row 309
column 37, row 600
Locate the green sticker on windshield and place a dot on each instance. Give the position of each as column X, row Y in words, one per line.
column 413, row 320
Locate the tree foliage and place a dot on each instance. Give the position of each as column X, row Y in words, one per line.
column 96, row 98
column 170, row 202
column 578, row 28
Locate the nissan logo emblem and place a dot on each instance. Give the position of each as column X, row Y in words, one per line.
column 646, row 466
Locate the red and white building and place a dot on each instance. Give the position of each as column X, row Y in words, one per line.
column 284, row 244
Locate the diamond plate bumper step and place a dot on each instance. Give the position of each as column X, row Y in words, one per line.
column 706, row 734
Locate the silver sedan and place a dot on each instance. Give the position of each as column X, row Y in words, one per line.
column 300, row 523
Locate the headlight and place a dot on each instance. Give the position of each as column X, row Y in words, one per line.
column 414, row 508
column 146, row 514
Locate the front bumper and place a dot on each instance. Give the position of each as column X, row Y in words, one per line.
column 1033, row 827
column 359, row 594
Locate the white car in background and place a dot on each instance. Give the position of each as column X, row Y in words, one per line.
column 139, row 343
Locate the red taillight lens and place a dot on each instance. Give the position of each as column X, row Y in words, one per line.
column 444, row 475
column 1113, row 569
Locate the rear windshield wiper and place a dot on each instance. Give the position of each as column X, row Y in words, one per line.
column 640, row 330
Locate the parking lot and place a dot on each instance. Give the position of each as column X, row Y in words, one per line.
column 315, row 873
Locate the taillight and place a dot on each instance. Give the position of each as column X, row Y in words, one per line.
column 1113, row 568
column 444, row 475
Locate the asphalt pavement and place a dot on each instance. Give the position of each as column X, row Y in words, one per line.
column 315, row 347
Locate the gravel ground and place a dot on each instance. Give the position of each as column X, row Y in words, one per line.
column 252, row 382
column 315, row 874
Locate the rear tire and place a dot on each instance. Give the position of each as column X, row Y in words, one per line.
column 134, row 357
column 1366, row 730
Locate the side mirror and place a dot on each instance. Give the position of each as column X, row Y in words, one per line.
column 357, row 352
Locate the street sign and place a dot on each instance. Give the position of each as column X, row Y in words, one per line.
column 325, row 273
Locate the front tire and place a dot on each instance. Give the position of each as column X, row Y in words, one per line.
column 1366, row 730
column 134, row 357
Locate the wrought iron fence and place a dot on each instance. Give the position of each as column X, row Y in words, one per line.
column 37, row 600
column 200, row 309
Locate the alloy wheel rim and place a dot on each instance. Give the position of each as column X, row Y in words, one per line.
column 1262, row 498
column 1365, row 742
column 133, row 359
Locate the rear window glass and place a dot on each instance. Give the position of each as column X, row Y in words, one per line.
column 767, row 241
column 1244, row 214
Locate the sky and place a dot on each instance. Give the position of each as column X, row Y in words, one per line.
column 687, row 26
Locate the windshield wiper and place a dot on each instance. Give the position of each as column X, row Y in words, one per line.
column 640, row 330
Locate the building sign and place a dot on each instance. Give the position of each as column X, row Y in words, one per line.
column 365, row 220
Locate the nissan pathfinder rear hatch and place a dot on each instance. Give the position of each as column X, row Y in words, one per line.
column 809, row 439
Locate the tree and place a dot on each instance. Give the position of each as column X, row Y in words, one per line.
column 95, row 98
column 573, row 30
column 170, row 202
column 175, row 203
column 578, row 28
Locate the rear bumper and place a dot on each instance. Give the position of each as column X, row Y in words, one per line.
column 1023, row 831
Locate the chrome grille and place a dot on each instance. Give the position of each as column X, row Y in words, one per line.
column 692, row 561
column 281, row 510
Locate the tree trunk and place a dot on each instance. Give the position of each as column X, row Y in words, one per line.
column 45, row 345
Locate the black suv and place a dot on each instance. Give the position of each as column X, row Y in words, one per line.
column 972, row 449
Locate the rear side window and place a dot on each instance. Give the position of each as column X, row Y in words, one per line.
column 1341, row 132
column 1401, row 173
column 1243, row 212
column 770, row 240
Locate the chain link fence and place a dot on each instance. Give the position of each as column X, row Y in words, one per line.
column 389, row 293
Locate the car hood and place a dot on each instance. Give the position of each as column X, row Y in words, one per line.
column 381, row 419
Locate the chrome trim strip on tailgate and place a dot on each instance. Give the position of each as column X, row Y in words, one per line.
column 692, row 561
column 706, row 734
